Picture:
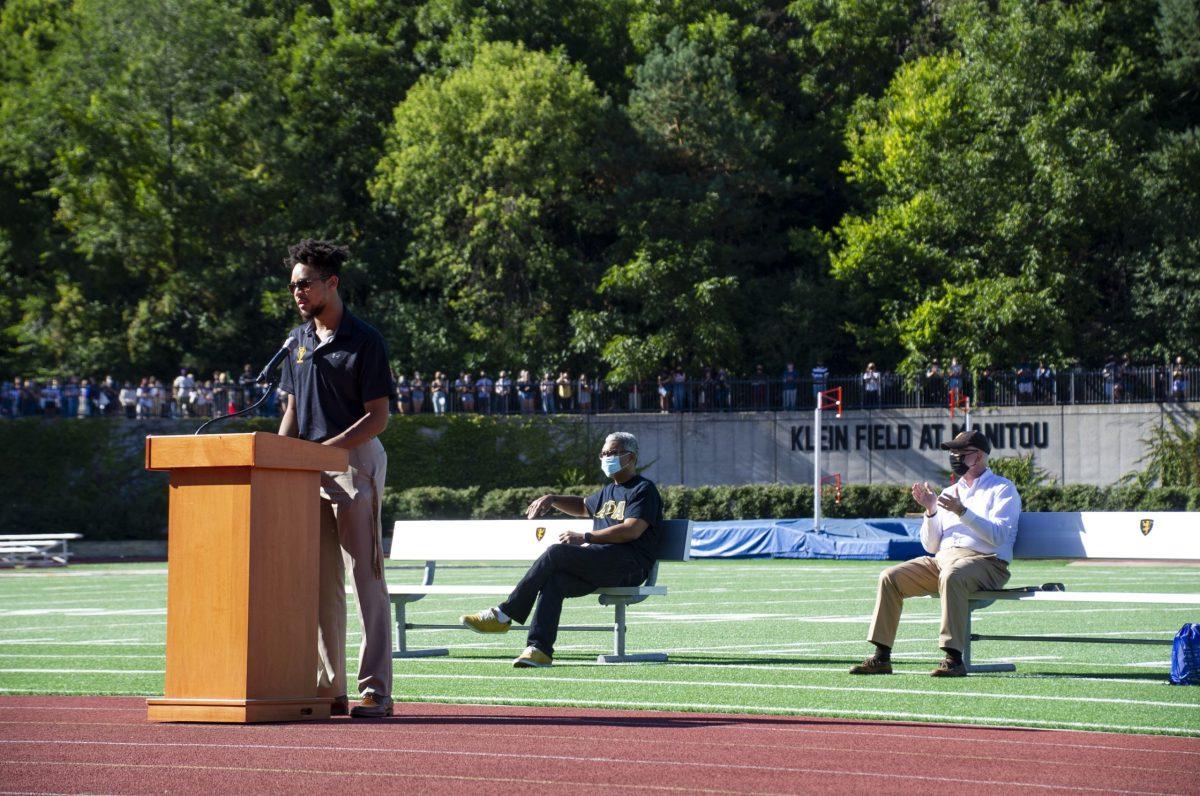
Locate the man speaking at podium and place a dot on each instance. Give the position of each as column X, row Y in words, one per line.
column 338, row 385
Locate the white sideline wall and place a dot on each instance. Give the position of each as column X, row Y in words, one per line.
column 1163, row 535
column 1168, row 536
column 486, row 540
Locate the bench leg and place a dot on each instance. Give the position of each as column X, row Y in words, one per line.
column 619, row 655
column 402, row 650
column 982, row 667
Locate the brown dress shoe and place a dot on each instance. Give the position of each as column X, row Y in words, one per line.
column 949, row 668
column 372, row 706
column 340, row 706
column 872, row 665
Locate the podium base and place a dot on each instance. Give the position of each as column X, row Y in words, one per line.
column 237, row 711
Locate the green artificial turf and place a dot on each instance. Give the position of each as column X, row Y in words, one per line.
column 757, row 636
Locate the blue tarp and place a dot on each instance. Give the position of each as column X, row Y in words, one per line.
column 877, row 539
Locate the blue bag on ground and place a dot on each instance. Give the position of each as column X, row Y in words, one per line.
column 1185, row 656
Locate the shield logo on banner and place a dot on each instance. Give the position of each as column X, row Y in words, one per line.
column 541, row 532
column 1146, row 526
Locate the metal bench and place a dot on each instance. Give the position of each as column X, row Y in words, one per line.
column 1117, row 535
column 983, row 599
column 36, row 549
column 512, row 541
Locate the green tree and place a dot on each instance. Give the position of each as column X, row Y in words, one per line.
column 592, row 33
column 159, row 179
column 1172, row 454
column 1165, row 285
column 997, row 181
column 341, row 72
column 32, row 246
column 495, row 172
column 738, row 111
column 672, row 294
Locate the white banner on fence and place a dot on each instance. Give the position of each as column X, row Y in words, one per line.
column 1167, row 535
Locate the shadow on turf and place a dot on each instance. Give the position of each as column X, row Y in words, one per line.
column 933, row 659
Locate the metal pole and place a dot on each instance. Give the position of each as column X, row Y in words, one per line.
column 817, row 466
column 619, row 641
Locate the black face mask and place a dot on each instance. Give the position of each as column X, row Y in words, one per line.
column 958, row 464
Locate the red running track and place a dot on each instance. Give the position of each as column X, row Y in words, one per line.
column 105, row 745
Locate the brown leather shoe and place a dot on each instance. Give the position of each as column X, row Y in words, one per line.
column 340, row 706
column 948, row 668
column 372, row 706
column 872, row 665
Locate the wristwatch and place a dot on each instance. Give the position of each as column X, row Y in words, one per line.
column 587, row 536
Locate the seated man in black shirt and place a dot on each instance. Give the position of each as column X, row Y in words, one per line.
column 619, row 551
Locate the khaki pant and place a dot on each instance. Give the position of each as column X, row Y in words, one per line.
column 954, row 574
column 351, row 540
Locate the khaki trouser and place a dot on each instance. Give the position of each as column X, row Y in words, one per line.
column 351, row 539
column 954, row 574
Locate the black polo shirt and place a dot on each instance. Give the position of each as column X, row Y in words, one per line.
column 331, row 381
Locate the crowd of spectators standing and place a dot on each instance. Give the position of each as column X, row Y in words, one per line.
column 525, row 392
column 147, row 397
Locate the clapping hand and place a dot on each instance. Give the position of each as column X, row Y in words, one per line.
column 952, row 504
column 925, row 497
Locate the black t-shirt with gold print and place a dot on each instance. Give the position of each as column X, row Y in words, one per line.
column 638, row 497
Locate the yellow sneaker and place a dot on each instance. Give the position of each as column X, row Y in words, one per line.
column 532, row 658
column 485, row 622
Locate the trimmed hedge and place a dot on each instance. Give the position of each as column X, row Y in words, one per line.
column 757, row 501
column 85, row 476
column 88, row 476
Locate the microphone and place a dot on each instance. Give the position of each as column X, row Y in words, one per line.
column 288, row 345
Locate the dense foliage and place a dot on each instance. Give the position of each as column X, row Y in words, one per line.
column 780, row 501
column 605, row 185
column 89, row 475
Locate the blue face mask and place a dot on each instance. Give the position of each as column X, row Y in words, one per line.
column 611, row 465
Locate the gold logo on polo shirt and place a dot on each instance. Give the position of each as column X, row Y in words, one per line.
column 540, row 533
column 1147, row 525
column 300, row 354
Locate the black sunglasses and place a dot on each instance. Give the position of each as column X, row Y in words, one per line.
column 305, row 284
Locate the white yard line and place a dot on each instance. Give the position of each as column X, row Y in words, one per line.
column 85, row 573
column 82, row 671
column 103, row 642
column 88, row 626
column 806, row 687
column 86, row 612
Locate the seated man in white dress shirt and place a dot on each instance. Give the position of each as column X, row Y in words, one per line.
column 969, row 529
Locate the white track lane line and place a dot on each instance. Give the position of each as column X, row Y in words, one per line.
column 749, row 723
column 578, row 759
column 619, row 734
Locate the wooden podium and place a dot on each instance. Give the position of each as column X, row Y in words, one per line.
column 243, row 557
